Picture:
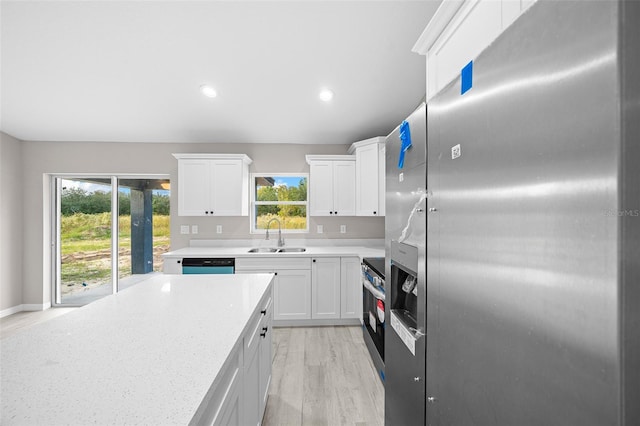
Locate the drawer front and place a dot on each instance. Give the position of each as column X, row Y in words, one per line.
column 272, row 263
column 257, row 324
column 252, row 338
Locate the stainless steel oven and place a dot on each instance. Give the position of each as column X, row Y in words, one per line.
column 373, row 300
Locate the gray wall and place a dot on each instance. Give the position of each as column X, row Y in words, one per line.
column 10, row 222
column 41, row 158
column 268, row 158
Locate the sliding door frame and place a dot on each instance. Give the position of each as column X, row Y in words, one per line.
column 55, row 189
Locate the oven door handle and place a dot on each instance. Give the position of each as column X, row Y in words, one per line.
column 377, row 293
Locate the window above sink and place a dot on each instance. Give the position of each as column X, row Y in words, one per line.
column 281, row 196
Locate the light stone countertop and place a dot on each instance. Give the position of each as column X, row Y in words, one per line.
column 243, row 251
column 147, row 355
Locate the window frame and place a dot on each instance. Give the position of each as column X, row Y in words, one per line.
column 253, row 203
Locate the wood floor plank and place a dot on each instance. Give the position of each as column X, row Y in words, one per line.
column 284, row 406
column 14, row 323
column 323, row 376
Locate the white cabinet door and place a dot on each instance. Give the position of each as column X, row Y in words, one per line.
column 325, row 288
column 231, row 412
column 266, row 358
column 344, row 188
column 251, row 385
column 213, row 184
column 367, row 180
column 292, row 295
column 194, row 189
column 332, row 186
column 227, row 188
column 350, row 288
column 321, row 188
column 225, row 404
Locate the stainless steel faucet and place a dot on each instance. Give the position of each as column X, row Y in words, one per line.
column 280, row 239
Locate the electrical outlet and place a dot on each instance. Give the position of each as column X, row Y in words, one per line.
column 320, row 229
column 194, row 229
column 184, row 229
column 343, row 229
column 219, row 229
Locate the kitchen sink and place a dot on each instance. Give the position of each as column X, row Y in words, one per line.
column 276, row 250
column 263, row 250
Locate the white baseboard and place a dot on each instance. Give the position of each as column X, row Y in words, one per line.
column 24, row 307
column 10, row 311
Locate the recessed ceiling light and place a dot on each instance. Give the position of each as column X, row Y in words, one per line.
column 326, row 95
column 208, row 91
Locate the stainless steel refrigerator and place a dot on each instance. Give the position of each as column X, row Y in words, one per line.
column 405, row 274
column 533, row 229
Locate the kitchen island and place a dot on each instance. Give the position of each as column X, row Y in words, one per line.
column 166, row 351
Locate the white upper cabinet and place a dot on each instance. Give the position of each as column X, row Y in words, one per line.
column 213, row 184
column 459, row 31
column 332, row 185
column 370, row 172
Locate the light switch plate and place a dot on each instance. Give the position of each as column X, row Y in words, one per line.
column 320, row 229
column 184, row 229
column 343, row 229
column 194, row 229
column 219, row 229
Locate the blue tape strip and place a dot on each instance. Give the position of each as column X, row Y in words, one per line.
column 466, row 78
column 405, row 138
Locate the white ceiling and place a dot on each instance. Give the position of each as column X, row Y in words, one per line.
column 130, row 71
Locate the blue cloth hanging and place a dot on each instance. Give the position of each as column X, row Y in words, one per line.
column 405, row 138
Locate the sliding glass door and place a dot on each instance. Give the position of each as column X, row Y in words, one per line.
column 109, row 232
column 84, row 229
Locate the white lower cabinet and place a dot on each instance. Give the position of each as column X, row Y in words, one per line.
column 325, row 288
column 309, row 289
column 265, row 361
column 292, row 295
column 257, row 365
column 222, row 405
column 350, row 288
column 231, row 410
column 239, row 395
column 251, row 388
column 291, row 285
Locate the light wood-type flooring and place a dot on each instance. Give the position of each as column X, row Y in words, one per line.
column 323, row 376
column 14, row 323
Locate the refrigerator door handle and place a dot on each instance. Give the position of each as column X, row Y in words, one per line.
column 417, row 332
